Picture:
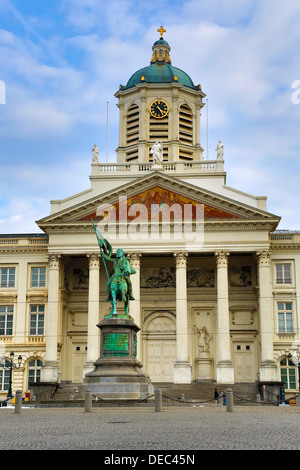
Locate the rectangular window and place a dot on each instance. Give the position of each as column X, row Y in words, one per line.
column 285, row 317
column 38, row 277
column 4, row 379
column 283, row 274
column 6, row 320
column 37, row 320
column 7, row 278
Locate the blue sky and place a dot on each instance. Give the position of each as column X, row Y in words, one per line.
column 63, row 60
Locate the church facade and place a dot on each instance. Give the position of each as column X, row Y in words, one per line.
column 216, row 283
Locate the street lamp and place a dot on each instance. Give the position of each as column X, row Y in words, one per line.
column 10, row 366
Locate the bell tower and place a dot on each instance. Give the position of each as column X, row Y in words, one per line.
column 159, row 102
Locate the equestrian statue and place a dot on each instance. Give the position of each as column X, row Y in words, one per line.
column 119, row 285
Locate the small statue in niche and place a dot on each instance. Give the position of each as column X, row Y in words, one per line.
column 203, row 340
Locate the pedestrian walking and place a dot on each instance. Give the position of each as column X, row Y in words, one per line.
column 224, row 397
column 216, row 396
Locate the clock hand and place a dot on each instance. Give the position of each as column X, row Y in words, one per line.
column 160, row 109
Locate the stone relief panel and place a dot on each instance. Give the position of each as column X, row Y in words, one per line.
column 201, row 277
column 240, row 276
column 80, row 279
column 158, row 277
column 166, row 277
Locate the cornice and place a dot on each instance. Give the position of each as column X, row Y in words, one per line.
column 23, row 249
column 285, row 246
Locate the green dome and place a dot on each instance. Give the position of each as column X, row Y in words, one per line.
column 160, row 69
column 161, row 42
column 160, row 73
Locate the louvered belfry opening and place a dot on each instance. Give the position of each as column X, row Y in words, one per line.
column 159, row 130
column 132, row 131
column 186, row 134
column 186, row 125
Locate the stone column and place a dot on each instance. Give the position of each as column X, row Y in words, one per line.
column 93, row 340
column 225, row 370
column 182, row 368
column 51, row 372
column 268, row 369
column 135, row 305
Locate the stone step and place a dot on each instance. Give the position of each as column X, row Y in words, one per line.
column 197, row 391
column 244, row 393
column 68, row 391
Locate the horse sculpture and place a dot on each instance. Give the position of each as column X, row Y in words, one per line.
column 119, row 286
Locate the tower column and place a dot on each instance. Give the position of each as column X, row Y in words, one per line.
column 225, row 370
column 93, row 339
column 182, row 368
column 50, row 372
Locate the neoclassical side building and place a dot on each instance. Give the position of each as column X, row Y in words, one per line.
column 217, row 284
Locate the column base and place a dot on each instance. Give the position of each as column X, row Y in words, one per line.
column 225, row 372
column 88, row 367
column 50, row 373
column 182, row 372
column 268, row 372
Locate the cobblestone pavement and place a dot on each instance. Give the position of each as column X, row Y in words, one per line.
column 141, row 428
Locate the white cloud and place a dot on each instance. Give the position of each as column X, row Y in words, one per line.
column 244, row 54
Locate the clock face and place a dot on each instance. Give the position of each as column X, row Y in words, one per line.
column 159, row 109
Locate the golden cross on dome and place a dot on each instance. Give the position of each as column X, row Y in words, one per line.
column 161, row 30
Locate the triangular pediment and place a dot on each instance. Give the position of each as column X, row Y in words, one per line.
column 154, row 200
column 153, row 191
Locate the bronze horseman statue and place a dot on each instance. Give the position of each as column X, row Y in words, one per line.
column 119, row 284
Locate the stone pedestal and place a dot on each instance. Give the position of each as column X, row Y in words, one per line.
column 204, row 367
column 118, row 374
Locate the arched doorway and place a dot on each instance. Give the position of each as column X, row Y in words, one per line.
column 160, row 336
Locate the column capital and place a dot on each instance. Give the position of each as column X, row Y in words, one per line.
column 180, row 258
column 94, row 260
column 222, row 258
column 54, row 260
column 135, row 260
column 263, row 257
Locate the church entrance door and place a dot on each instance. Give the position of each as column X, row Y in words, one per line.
column 161, row 357
column 160, row 346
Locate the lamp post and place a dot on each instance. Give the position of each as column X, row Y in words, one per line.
column 10, row 366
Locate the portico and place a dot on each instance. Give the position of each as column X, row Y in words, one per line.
column 177, row 294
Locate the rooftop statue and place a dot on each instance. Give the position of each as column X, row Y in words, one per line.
column 220, row 150
column 157, row 154
column 95, row 154
column 119, row 285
